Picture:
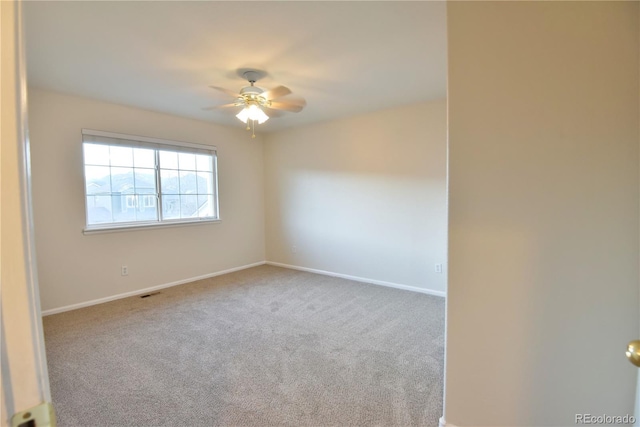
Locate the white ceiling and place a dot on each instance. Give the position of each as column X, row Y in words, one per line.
column 344, row 58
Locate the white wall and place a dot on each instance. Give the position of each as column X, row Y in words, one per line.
column 363, row 196
column 76, row 268
column 543, row 211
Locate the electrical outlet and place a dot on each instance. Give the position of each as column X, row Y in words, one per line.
column 438, row 268
column 124, row 271
column 294, row 249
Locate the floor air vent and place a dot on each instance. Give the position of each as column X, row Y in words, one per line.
column 149, row 295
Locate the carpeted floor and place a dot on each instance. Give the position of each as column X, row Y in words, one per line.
column 265, row 346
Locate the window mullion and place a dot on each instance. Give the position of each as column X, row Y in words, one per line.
column 158, row 187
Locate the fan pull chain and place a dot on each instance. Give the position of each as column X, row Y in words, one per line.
column 253, row 131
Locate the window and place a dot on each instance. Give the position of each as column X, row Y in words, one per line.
column 135, row 181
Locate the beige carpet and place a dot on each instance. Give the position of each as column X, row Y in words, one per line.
column 265, row 346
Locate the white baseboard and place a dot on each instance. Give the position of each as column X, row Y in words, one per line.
column 443, row 423
column 361, row 279
column 231, row 270
column 146, row 290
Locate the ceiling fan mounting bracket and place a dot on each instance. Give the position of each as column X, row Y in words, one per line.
column 251, row 75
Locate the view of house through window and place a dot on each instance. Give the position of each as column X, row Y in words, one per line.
column 144, row 182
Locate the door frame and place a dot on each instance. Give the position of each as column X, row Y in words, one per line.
column 24, row 374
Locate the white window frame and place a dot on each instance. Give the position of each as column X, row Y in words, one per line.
column 112, row 138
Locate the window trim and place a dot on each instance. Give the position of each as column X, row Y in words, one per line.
column 146, row 142
column 126, row 226
column 148, row 139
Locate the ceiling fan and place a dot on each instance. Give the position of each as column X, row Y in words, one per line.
column 257, row 103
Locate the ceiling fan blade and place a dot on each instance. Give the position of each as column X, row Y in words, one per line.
column 227, row 91
column 272, row 113
column 276, row 92
column 216, row 107
column 288, row 106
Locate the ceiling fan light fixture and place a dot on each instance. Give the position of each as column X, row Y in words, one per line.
column 252, row 112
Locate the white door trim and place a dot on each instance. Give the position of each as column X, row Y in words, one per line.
column 25, row 379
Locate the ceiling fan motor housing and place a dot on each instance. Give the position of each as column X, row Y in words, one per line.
column 251, row 90
column 253, row 95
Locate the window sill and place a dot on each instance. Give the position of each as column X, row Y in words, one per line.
column 131, row 227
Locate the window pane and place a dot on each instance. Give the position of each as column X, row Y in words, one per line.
column 144, row 158
column 171, row 207
column 168, row 160
column 187, row 161
column 122, row 180
column 121, row 156
column 188, row 183
column 205, row 183
column 205, row 205
column 188, row 206
column 98, row 209
column 145, row 181
column 124, row 207
column 204, row 163
column 96, row 154
column 146, row 208
column 169, row 181
column 98, row 179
